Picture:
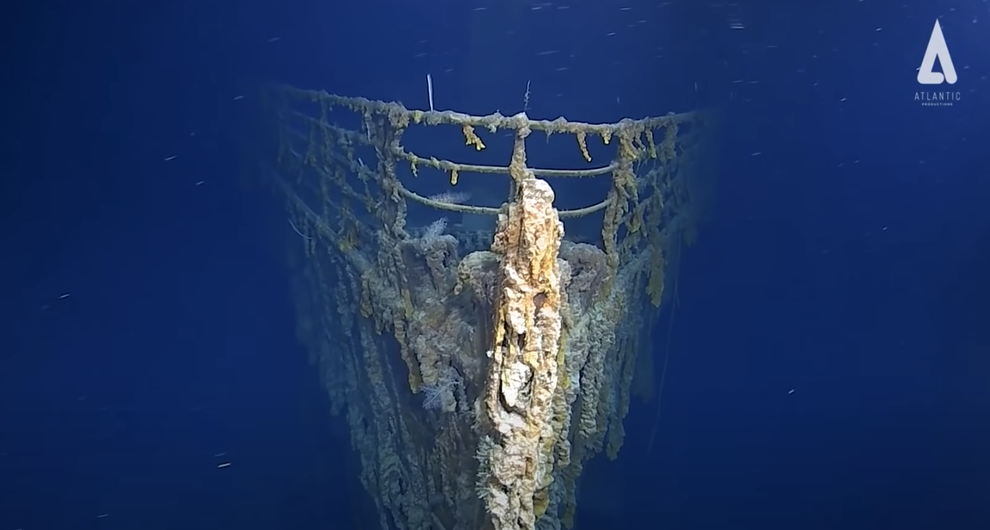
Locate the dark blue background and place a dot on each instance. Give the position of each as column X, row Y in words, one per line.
column 847, row 260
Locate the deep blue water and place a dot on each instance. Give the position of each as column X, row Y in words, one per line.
column 145, row 329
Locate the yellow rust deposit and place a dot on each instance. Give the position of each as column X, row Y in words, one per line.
column 470, row 138
column 479, row 354
column 582, row 140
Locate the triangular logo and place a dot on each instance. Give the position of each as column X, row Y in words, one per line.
column 937, row 50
